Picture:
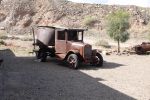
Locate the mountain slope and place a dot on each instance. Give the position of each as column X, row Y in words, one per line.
column 17, row 16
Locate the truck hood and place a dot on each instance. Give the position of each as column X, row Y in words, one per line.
column 77, row 45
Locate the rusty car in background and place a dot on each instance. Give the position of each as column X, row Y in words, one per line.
column 142, row 48
column 65, row 44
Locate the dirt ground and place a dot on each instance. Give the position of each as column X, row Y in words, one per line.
column 121, row 78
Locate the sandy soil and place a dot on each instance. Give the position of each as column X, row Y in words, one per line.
column 121, row 78
column 128, row 74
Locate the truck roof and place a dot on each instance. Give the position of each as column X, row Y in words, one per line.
column 65, row 28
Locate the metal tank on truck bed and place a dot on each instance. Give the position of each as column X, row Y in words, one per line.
column 65, row 44
column 46, row 35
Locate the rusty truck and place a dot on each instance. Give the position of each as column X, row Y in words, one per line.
column 142, row 48
column 65, row 44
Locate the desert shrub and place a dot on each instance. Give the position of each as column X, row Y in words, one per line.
column 92, row 33
column 27, row 23
column 148, row 37
column 2, row 17
column 4, row 37
column 26, row 39
column 89, row 21
column 102, row 43
column 2, row 42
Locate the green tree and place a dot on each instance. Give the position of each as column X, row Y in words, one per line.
column 118, row 23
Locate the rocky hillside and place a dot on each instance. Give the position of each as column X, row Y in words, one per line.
column 17, row 16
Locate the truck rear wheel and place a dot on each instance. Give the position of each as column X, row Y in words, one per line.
column 98, row 60
column 73, row 61
column 41, row 55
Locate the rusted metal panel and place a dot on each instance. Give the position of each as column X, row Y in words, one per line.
column 46, row 35
column 66, row 43
column 143, row 48
column 75, row 47
column 60, row 41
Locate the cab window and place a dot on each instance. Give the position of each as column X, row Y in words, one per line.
column 72, row 35
column 61, row 35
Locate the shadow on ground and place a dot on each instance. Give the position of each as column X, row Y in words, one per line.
column 106, row 65
column 21, row 78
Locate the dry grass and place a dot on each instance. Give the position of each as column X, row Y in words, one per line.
column 89, row 21
column 102, row 43
column 2, row 42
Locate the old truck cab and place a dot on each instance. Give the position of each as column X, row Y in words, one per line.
column 68, row 45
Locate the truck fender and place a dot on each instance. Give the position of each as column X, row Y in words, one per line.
column 74, row 52
column 94, row 51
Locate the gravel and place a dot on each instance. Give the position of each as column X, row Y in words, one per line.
column 121, row 78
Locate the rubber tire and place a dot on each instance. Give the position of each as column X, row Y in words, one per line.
column 74, row 57
column 37, row 54
column 100, row 64
column 42, row 56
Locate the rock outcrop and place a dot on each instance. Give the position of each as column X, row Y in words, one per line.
column 17, row 16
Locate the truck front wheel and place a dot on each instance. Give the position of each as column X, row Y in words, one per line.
column 98, row 60
column 73, row 61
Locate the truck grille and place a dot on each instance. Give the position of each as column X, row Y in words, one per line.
column 87, row 51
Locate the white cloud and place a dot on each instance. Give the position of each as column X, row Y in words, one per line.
column 90, row 1
column 82, row 1
column 143, row 3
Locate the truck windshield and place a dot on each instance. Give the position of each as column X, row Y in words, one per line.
column 74, row 36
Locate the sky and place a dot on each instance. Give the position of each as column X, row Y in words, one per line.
column 142, row 3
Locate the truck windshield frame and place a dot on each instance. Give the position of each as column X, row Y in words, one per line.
column 74, row 35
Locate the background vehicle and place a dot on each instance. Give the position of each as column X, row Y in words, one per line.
column 65, row 44
column 142, row 48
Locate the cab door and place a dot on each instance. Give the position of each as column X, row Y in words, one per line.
column 60, row 42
